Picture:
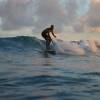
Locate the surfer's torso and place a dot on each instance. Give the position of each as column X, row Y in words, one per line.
column 46, row 32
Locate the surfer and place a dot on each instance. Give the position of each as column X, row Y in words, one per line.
column 46, row 35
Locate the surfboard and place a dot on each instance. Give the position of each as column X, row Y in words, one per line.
column 50, row 51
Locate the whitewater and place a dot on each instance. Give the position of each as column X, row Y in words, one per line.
column 28, row 73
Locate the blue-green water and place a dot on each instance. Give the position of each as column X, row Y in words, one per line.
column 27, row 74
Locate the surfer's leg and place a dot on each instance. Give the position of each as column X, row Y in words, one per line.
column 47, row 45
column 46, row 40
column 49, row 42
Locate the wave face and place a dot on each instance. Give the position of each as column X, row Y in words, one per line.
column 21, row 43
column 33, row 44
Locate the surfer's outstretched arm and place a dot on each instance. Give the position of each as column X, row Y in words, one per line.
column 53, row 34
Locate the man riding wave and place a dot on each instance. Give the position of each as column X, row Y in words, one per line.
column 46, row 35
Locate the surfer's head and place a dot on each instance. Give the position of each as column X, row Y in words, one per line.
column 52, row 26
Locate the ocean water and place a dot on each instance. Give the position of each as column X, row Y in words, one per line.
column 28, row 73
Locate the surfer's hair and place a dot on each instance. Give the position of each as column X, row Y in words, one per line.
column 52, row 26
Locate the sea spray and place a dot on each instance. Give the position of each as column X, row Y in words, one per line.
column 68, row 48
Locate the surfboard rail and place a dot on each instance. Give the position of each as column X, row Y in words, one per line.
column 50, row 51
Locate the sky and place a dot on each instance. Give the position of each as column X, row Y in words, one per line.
column 66, row 15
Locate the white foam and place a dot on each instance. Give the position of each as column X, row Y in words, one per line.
column 81, row 47
column 68, row 48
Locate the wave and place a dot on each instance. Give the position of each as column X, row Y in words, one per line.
column 27, row 43
column 21, row 43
